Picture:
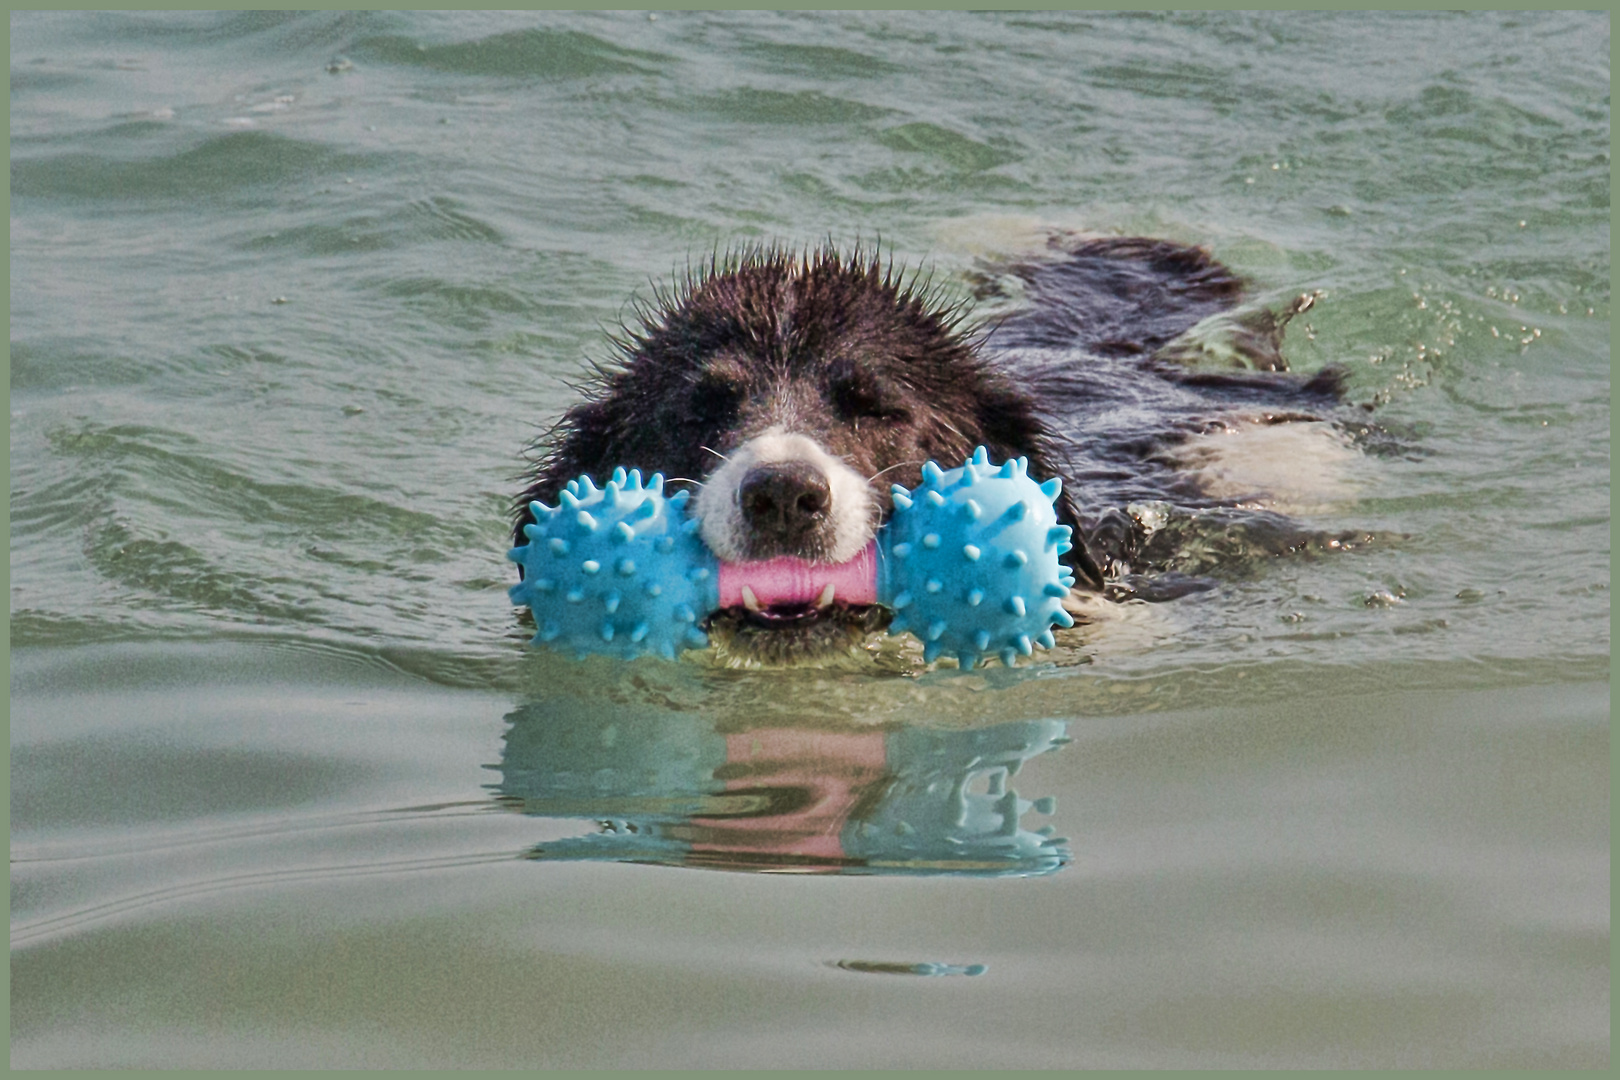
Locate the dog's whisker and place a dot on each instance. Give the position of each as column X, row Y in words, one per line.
column 716, row 453
column 891, row 468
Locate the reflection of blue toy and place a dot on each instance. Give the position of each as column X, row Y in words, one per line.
column 969, row 563
column 667, row 787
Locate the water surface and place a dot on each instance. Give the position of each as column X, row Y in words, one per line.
column 291, row 292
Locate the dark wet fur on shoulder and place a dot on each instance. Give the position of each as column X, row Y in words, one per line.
column 1092, row 379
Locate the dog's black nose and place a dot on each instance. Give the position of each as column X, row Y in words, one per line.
column 785, row 500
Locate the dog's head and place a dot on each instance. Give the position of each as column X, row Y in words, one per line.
column 790, row 391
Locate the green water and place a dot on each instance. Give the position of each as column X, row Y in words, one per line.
column 291, row 292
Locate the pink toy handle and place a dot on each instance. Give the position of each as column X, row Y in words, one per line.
column 787, row 580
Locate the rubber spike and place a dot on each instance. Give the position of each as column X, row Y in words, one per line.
column 1025, row 648
column 587, row 523
column 1052, row 488
column 982, row 640
column 622, row 532
column 1009, row 657
column 967, row 661
column 971, row 509
column 936, row 629
column 1045, row 639
column 1015, row 605
column 1053, row 589
column 639, row 632
column 981, row 456
column 607, row 631
column 1062, row 618
column 975, row 598
column 558, row 545
column 931, row 651
column 611, row 602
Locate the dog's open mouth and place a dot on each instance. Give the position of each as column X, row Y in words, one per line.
column 788, row 592
column 789, row 608
column 782, row 616
column 799, row 616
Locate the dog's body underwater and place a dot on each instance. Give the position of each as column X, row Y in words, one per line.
column 790, row 391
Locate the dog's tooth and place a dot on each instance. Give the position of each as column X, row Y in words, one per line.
column 750, row 601
column 825, row 600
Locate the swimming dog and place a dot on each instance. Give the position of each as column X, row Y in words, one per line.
column 789, row 390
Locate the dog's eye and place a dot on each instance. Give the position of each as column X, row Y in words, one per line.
column 856, row 393
column 715, row 400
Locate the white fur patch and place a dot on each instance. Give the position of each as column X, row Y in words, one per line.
column 854, row 510
column 1293, row 468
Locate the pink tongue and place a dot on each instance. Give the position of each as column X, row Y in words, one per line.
column 787, row 580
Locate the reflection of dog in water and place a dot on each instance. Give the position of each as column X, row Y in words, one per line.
column 669, row 788
column 790, row 391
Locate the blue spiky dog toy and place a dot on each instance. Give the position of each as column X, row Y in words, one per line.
column 969, row 562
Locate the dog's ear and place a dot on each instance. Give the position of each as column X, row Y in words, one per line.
column 1008, row 423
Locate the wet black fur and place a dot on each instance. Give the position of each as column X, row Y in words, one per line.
column 876, row 369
